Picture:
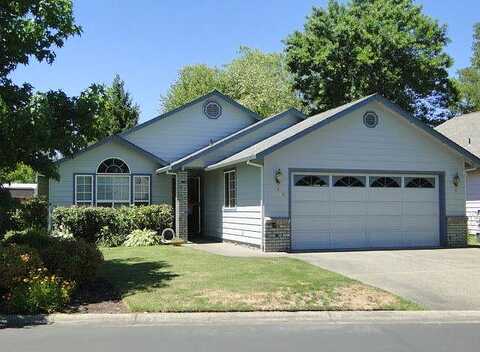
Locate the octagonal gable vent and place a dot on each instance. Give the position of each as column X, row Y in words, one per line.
column 212, row 110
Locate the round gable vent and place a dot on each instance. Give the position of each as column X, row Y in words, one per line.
column 212, row 110
column 370, row 119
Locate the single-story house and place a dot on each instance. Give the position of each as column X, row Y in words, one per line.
column 465, row 131
column 363, row 175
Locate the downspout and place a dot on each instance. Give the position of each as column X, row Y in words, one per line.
column 251, row 163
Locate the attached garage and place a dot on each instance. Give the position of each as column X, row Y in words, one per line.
column 353, row 211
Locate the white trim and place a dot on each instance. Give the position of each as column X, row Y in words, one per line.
column 112, row 157
column 134, row 192
column 224, row 199
column 75, row 190
column 112, row 201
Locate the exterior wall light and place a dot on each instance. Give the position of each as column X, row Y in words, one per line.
column 278, row 177
column 456, row 180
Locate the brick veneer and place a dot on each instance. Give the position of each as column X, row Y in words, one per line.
column 181, row 205
column 276, row 237
column 457, row 230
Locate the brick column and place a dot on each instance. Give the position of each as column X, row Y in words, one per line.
column 457, row 230
column 181, row 205
column 276, row 236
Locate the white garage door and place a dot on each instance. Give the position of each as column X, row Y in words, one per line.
column 342, row 211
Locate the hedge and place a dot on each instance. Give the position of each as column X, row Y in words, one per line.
column 110, row 226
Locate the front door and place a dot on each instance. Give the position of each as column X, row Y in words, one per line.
column 194, row 224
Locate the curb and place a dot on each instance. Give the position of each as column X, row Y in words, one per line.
column 332, row 317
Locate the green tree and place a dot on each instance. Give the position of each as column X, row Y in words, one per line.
column 258, row 80
column 468, row 82
column 351, row 50
column 35, row 128
column 116, row 110
column 192, row 82
column 22, row 173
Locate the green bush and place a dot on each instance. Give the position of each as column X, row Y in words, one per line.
column 16, row 265
column 7, row 209
column 40, row 293
column 103, row 225
column 32, row 213
column 72, row 259
column 142, row 238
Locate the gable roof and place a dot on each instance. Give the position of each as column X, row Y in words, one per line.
column 213, row 93
column 269, row 145
column 463, row 130
column 198, row 153
column 119, row 139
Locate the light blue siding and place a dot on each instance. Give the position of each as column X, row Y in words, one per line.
column 243, row 223
column 240, row 143
column 61, row 192
column 189, row 129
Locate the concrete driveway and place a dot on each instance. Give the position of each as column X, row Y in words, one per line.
column 442, row 279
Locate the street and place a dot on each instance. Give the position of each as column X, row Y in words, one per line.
column 265, row 336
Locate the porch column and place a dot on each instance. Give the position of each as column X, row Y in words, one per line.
column 181, row 205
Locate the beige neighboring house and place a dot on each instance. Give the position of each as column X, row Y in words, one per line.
column 21, row 191
column 465, row 131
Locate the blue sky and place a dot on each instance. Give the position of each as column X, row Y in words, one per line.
column 147, row 41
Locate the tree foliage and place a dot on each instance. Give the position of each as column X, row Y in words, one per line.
column 258, row 80
column 468, row 82
column 351, row 50
column 116, row 110
column 22, row 173
column 34, row 128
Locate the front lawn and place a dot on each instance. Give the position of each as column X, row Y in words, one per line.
column 182, row 279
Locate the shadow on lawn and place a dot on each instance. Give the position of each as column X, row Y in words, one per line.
column 132, row 274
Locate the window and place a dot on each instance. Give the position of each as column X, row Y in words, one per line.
column 113, row 190
column 113, row 166
column 349, row 181
column 230, row 179
column 311, row 180
column 385, row 182
column 419, row 182
column 141, row 190
column 83, row 189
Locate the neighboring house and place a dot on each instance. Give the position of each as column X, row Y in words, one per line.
column 465, row 131
column 21, row 191
column 363, row 175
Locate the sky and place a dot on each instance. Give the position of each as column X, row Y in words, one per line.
column 147, row 41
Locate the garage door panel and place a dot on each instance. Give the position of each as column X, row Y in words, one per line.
column 364, row 217
column 308, row 208
column 348, row 208
column 347, row 194
column 384, row 208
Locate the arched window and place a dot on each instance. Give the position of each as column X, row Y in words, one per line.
column 349, row 181
column 113, row 166
column 419, row 182
column 311, row 180
column 385, row 182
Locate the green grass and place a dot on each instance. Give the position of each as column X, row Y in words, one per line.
column 174, row 279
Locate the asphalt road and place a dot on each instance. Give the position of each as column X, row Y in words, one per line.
column 283, row 336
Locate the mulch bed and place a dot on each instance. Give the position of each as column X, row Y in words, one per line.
column 98, row 296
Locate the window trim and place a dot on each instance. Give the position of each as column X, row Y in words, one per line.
column 133, row 200
column 75, row 200
column 129, row 201
column 231, row 171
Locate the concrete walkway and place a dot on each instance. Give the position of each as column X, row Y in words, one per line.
column 440, row 279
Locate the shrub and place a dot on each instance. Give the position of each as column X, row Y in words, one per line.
column 142, row 238
column 102, row 225
column 7, row 208
column 40, row 293
column 16, row 264
column 62, row 232
column 72, row 259
column 32, row 213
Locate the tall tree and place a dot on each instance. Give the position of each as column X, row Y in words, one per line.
column 468, row 82
column 258, row 80
column 22, row 174
column 116, row 110
column 350, row 50
column 34, row 128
